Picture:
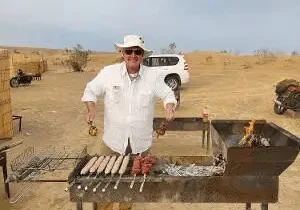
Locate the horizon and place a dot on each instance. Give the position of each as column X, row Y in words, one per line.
column 233, row 25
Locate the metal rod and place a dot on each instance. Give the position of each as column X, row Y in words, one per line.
column 248, row 206
column 264, row 206
column 132, row 182
column 203, row 138
column 117, row 183
column 95, row 206
column 79, row 205
column 104, row 188
column 142, row 185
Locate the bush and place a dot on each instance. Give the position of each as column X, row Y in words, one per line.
column 78, row 58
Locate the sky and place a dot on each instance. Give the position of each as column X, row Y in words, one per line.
column 233, row 25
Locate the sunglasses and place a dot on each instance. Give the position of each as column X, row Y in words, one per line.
column 136, row 52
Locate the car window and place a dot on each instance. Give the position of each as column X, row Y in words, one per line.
column 173, row 61
column 163, row 61
column 155, row 62
column 146, row 62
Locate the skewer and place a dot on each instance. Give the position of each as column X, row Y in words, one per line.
column 100, row 169
column 134, row 176
column 114, row 170
column 117, row 183
column 122, row 170
column 142, row 185
column 132, row 182
column 70, row 185
column 104, row 188
column 95, row 188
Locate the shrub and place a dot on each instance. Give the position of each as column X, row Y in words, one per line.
column 78, row 58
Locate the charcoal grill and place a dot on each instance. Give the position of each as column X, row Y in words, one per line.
column 251, row 174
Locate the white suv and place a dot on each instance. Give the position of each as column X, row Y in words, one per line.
column 173, row 67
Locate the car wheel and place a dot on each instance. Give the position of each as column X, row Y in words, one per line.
column 14, row 82
column 173, row 82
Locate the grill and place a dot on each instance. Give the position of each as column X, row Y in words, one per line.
column 234, row 174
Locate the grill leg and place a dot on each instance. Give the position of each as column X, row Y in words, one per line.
column 208, row 137
column 203, row 138
column 3, row 163
column 79, row 205
column 248, row 206
column 95, row 206
column 264, row 206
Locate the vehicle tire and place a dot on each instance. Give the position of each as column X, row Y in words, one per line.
column 14, row 82
column 173, row 82
column 278, row 109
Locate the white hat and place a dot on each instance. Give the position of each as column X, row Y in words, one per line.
column 133, row 41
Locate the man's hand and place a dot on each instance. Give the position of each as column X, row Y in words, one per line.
column 91, row 111
column 170, row 111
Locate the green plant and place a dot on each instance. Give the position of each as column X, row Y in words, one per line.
column 78, row 58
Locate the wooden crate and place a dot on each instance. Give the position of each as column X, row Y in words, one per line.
column 6, row 129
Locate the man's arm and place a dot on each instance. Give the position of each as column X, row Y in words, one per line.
column 94, row 89
column 165, row 93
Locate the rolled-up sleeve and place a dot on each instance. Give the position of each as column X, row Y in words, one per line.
column 95, row 88
column 163, row 91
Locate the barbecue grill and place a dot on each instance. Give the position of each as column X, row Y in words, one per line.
column 227, row 173
column 249, row 175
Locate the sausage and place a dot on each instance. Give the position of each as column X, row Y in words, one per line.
column 110, row 164
column 88, row 165
column 96, row 164
column 103, row 164
column 124, row 165
column 117, row 165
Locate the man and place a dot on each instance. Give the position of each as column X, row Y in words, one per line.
column 129, row 90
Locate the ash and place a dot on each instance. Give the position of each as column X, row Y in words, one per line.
column 255, row 140
column 258, row 140
column 216, row 169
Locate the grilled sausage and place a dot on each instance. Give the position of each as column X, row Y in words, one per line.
column 88, row 165
column 124, row 165
column 103, row 164
column 110, row 164
column 96, row 164
column 117, row 165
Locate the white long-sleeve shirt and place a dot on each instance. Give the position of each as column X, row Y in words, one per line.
column 128, row 105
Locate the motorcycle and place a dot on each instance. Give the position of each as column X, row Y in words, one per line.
column 287, row 96
column 20, row 78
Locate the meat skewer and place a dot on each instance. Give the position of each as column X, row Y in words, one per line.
column 147, row 163
column 114, row 170
column 100, row 169
column 122, row 170
column 93, row 170
column 87, row 167
column 107, row 170
column 136, row 168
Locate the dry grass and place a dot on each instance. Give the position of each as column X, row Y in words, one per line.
column 243, row 89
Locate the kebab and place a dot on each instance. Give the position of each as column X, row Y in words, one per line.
column 86, row 168
column 108, row 168
column 93, row 169
column 136, row 168
column 146, row 163
column 114, row 170
column 162, row 128
column 100, row 169
column 122, row 170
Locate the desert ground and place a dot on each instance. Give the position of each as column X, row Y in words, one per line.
column 240, row 88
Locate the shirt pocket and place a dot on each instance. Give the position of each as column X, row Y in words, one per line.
column 145, row 99
column 114, row 95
